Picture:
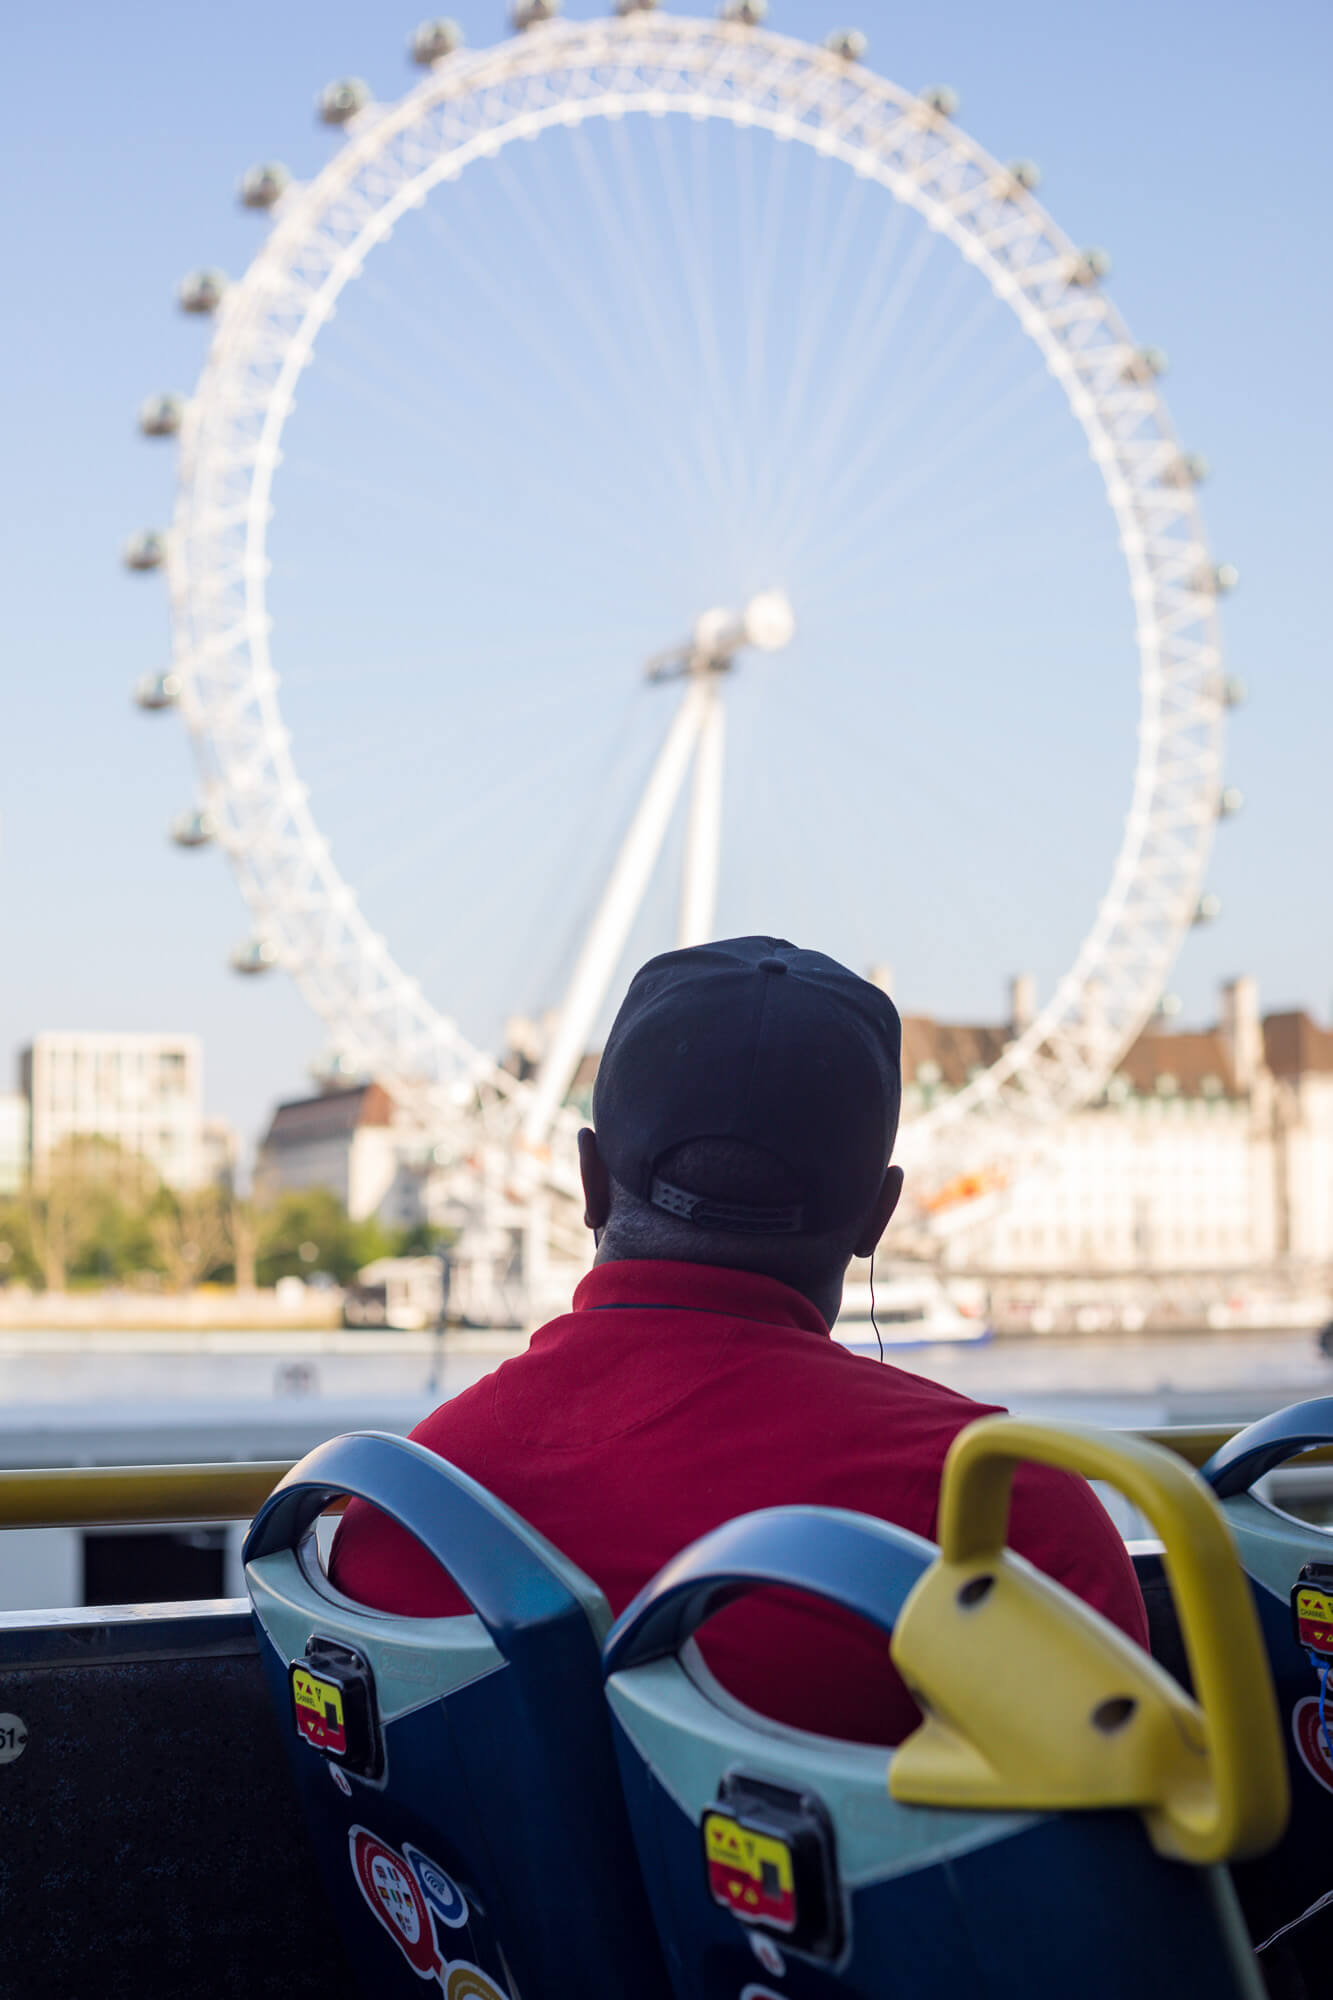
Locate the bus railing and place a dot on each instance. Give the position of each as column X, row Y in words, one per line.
column 89, row 1496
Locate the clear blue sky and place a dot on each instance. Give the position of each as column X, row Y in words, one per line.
column 935, row 775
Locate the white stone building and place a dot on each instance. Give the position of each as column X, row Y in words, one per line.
column 1210, row 1150
column 142, row 1092
column 353, row 1142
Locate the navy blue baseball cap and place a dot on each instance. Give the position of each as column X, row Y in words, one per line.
column 753, row 1040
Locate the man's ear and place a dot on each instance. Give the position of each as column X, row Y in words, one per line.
column 878, row 1219
column 596, row 1181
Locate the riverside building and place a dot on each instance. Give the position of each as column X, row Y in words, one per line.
column 143, row 1093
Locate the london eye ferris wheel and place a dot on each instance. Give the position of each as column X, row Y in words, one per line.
column 743, row 319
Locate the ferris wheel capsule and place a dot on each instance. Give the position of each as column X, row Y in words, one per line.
column 527, row 14
column 1190, row 469
column 1089, row 267
column 625, row 8
column 432, row 41
column 1235, row 693
column 145, row 551
column 940, row 100
column 340, row 101
column 743, row 13
column 255, row 955
column 160, row 416
column 1146, row 364
column 849, row 43
column 1207, row 910
column 154, row 691
column 265, row 185
column 1230, row 800
column 194, row 828
column 202, row 291
column 1217, row 579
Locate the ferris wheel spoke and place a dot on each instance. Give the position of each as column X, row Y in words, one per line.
column 414, row 413
column 818, row 292
column 926, row 530
column 918, row 476
column 760, row 228
column 627, row 261
column 885, row 289
column 699, row 292
column 617, row 508
column 644, row 231
column 543, row 234
column 848, row 381
column 895, row 411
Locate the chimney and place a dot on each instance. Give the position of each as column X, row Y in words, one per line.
column 1022, row 1002
column 881, row 976
column 1242, row 1031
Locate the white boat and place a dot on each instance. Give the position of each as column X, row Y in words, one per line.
column 911, row 1309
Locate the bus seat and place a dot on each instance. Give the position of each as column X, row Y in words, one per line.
column 457, row 1773
column 1273, row 1547
column 1056, row 1825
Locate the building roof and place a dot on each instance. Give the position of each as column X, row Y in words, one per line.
column 334, row 1114
column 957, row 1049
column 1192, row 1058
column 1294, row 1044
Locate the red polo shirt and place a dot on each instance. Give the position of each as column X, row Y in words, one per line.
column 675, row 1397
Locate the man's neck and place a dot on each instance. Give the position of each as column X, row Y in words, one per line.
column 825, row 1297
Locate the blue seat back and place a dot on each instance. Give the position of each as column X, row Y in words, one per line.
column 1273, row 1546
column 457, row 1773
column 875, row 1897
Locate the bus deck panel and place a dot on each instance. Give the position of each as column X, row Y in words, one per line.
column 151, row 1842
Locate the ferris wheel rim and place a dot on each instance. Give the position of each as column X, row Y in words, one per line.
column 655, row 64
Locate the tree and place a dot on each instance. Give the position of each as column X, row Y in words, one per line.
column 308, row 1230
column 85, row 1215
column 243, row 1230
column 19, row 1262
column 189, row 1234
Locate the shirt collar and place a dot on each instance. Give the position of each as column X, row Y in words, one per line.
column 710, row 1288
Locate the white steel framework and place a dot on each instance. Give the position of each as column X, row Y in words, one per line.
column 467, row 108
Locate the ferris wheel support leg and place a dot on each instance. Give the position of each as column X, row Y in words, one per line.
column 703, row 835
column 615, row 916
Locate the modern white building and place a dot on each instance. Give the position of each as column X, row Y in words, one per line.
column 13, row 1142
column 142, row 1092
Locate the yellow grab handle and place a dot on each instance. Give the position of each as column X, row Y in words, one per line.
column 1033, row 1701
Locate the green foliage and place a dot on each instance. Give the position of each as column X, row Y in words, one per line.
column 308, row 1231
column 19, row 1262
column 423, row 1239
column 102, row 1217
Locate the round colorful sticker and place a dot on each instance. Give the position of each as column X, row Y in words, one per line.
column 469, row 1982
column 1310, row 1741
column 391, row 1891
column 440, row 1890
column 768, row 1954
column 341, row 1780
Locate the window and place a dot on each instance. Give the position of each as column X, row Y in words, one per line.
column 155, row 1568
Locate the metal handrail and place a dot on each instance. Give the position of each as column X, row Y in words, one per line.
column 90, row 1496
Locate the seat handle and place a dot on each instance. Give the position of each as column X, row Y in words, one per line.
column 851, row 1560
column 1263, row 1446
column 511, row 1576
column 1069, row 1711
